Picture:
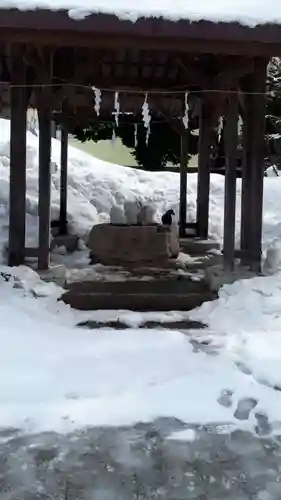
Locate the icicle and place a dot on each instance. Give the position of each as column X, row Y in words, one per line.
column 220, row 127
column 117, row 108
column 113, row 138
column 186, row 108
column 146, row 118
column 136, row 135
column 97, row 93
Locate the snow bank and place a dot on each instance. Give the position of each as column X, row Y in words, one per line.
column 95, row 187
column 248, row 12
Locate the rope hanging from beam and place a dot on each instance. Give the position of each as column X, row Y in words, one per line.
column 138, row 91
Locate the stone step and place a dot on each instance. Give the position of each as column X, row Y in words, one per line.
column 184, row 324
column 138, row 296
column 197, row 246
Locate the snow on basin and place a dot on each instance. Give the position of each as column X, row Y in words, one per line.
column 249, row 12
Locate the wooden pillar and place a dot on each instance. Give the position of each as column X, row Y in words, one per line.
column 257, row 162
column 245, row 228
column 44, row 209
column 45, row 137
column 253, row 174
column 17, row 207
column 63, row 179
column 183, row 182
column 203, row 183
column 230, row 139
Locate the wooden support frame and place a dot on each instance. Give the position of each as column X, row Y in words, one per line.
column 231, row 140
column 203, row 182
column 17, row 207
column 45, row 138
column 183, row 182
column 63, row 178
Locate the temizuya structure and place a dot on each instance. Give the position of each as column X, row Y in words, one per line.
column 52, row 59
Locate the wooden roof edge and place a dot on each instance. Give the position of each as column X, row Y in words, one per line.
column 37, row 26
column 156, row 27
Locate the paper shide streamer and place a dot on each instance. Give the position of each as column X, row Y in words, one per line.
column 146, row 117
column 186, row 109
column 116, row 108
column 97, row 94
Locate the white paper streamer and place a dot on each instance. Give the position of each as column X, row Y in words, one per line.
column 117, row 108
column 97, row 93
column 146, row 118
column 220, row 127
column 136, row 135
column 186, row 108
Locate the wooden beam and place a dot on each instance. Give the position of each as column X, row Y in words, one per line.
column 17, row 206
column 183, row 40
column 63, row 178
column 183, row 181
column 203, row 182
column 45, row 138
column 231, row 139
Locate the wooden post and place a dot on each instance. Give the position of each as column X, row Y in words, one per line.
column 257, row 162
column 253, row 166
column 45, row 137
column 183, row 182
column 230, row 138
column 63, row 179
column 17, row 206
column 245, row 228
column 203, row 183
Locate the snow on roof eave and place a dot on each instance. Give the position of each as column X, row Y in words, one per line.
column 248, row 15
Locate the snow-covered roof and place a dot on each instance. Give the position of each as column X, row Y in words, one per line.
column 246, row 12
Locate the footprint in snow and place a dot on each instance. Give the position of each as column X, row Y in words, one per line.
column 244, row 406
column 242, row 412
column 225, row 398
column 263, row 427
column 243, row 368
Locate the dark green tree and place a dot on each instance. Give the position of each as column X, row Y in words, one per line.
column 273, row 112
column 163, row 144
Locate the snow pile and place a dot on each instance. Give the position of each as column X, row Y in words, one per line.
column 248, row 12
column 97, row 189
column 54, row 376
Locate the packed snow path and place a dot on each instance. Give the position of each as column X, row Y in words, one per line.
column 144, row 462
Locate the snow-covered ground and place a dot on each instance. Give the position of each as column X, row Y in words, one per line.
column 56, row 376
